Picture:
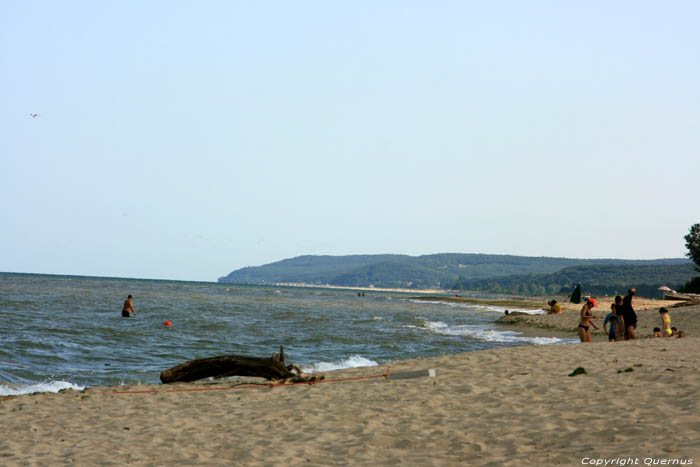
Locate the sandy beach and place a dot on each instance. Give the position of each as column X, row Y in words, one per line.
column 513, row 406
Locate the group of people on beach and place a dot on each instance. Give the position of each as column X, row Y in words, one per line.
column 622, row 320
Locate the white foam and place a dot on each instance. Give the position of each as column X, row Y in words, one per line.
column 354, row 361
column 530, row 312
column 452, row 304
column 489, row 334
column 48, row 386
column 473, row 306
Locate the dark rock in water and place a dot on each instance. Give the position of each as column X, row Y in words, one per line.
column 510, row 318
column 519, row 313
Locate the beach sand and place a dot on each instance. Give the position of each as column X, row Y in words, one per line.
column 512, row 406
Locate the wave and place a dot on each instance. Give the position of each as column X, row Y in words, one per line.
column 354, row 361
column 46, row 386
column 472, row 306
column 489, row 334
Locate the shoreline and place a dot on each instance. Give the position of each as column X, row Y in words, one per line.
column 524, row 303
column 508, row 406
column 364, row 289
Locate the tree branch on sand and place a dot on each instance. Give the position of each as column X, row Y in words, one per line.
column 273, row 368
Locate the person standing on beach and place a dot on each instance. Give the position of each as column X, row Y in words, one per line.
column 128, row 307
column 629, row 315
column 665, row 322
column 617, row 311
column 584, row 327
column 612, row 332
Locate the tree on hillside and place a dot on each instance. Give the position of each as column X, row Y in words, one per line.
column 692, row 243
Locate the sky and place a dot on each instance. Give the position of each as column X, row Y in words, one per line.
column 184, row 140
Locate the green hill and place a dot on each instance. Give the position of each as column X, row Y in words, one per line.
column 599, row 279
column 446, row 270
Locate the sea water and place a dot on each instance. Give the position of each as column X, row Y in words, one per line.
column 59, row 332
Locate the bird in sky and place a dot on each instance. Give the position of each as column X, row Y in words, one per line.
column 34, row 115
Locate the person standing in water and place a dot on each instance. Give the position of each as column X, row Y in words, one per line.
column 128, row 307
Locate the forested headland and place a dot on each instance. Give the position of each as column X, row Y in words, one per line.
column 474, row 272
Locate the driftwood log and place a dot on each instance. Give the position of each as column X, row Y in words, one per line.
column 273, row 368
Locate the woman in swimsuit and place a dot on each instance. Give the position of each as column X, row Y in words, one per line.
column 665, row 322
column 584, row 327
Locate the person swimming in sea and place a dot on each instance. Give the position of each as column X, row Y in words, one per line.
column 584, row 327
column 128, row 307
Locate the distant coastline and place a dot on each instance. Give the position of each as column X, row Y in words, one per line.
column 364, row 289
column 451, row 296
column 446, row 273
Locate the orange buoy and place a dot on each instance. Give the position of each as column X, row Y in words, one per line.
column 168, row 323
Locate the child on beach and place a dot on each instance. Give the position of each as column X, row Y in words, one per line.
column 618, row 327
column 665, row 323
column 616, row 308
column 587, row 320
column 657, row 332
column 612, row 332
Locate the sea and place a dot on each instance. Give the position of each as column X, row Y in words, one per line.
column 67, row 332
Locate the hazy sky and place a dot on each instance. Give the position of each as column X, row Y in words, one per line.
column 183, row 140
